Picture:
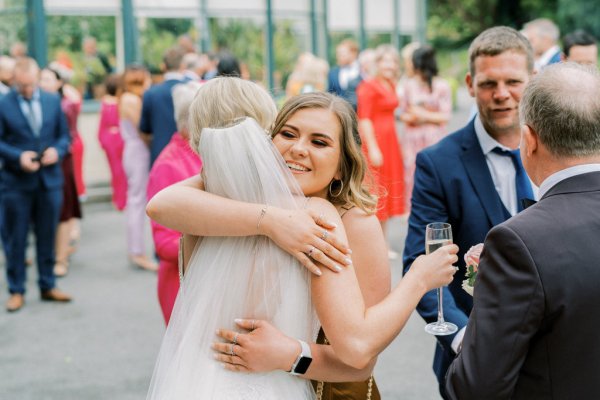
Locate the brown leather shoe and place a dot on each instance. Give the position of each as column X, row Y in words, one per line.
column 15, row 302
column 55, row 295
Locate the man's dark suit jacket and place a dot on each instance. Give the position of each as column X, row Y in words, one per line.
column 452, row 184
column 348, row 94
column 158, row 116
column 17, row 136
column 534, row 326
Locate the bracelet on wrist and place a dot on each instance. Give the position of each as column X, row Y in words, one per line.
column 263, row 212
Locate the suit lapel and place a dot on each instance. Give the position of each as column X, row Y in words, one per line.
column 43, row 107
column 479, row 175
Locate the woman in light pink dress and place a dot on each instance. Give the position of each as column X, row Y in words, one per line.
column 110, row 139
column 427, row 105
column 136, row 162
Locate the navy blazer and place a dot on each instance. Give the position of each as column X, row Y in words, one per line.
column 452, row 184
column 17, row 136
column 348, row 94
column 158, row 116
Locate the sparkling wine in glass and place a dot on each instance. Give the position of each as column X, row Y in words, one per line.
column 438, row 234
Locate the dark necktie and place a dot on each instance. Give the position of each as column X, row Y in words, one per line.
column 31, row 118
column 522, row 182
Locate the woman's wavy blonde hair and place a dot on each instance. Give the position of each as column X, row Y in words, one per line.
column 222, row 101
column 351, row 189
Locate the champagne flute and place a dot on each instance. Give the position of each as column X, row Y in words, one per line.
column 438, row 234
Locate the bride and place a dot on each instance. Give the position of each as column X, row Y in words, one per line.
column 232, row 276
column 233, row 272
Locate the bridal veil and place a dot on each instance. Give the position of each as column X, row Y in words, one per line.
column 236, row 277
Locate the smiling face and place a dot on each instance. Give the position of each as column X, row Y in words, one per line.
column 387, row 66
column 49, row 82
column 497, row 85
column 309, row 142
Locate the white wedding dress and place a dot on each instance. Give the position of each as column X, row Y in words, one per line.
column 236, row 277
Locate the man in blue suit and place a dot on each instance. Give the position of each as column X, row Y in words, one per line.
column 157, row 122
column 543, row 35
column 342, row 79
column 33, row 137
column 470, row 179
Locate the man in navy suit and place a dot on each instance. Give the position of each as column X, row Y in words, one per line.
column 157, row 122
column 347, row 71
column 33, row 137
column 469, row 179
column 534, row 325
column 543, row 35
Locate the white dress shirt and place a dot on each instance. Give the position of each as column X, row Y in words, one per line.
column 546, row 57
column 501, row 168
column 348, row 73
column 561, row 175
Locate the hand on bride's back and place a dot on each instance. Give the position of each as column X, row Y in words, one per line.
column 436, row 269
column 307, row 235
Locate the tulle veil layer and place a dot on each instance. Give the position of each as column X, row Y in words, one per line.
column 236, row 277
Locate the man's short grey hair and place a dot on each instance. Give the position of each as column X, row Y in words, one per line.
column 561, row 104
column 183, row 95
column 543, row 27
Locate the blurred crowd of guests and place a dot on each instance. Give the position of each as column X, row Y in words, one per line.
column 143, row 132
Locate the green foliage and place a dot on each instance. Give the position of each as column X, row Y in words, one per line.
column 245, row 38
column 158, row 35
column 579, row 14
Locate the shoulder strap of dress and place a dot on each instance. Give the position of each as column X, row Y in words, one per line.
column 344, row 209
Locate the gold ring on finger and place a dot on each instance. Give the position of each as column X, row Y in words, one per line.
column 324, row 235
column 231, row 352
column 235, row 337
column 310, row 252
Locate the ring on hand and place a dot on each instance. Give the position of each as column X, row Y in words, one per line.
column 324, row 235
column 252, row 327
column 231, row 352
column 312, row 248
column 235, row 338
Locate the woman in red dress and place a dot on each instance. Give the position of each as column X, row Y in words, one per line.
column 376, row 104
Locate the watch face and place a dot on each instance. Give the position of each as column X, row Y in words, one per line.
column 302, row 365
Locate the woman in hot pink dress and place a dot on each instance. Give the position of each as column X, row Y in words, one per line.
column 175, row 163
column 427, row 104
column 111, row 141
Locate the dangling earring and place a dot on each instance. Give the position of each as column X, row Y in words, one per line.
column 339, row 191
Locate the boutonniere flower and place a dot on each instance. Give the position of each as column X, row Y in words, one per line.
column 472, row 264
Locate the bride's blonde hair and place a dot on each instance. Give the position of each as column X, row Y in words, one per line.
column 222, row 101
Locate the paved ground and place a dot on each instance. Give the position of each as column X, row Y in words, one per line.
column 103, row 345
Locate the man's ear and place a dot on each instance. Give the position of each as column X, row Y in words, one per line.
column 531, row 140
column 469, row 83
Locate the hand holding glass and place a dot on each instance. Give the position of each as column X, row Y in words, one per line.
column 438, row 234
